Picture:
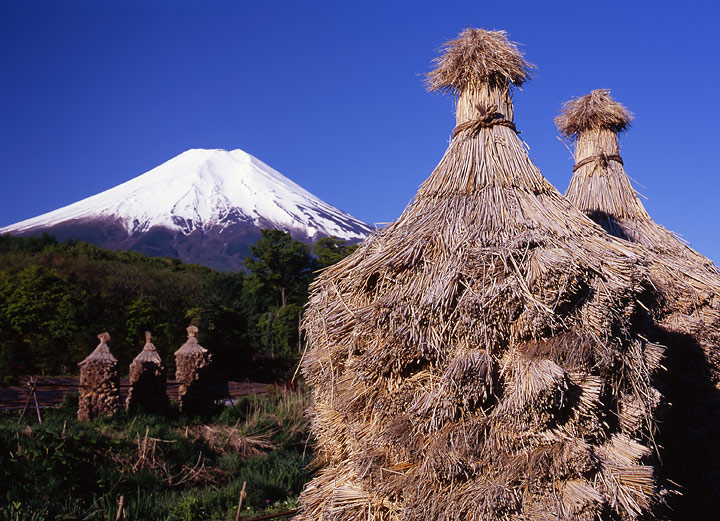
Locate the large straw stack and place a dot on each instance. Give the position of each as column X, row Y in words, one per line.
column 148, row 388
column 192, row 362
column 99, row 382
column 481, row 357
column 690, row 312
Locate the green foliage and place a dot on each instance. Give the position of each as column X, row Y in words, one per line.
column 280, row 270
column 15, row 511
column 70, row 470
column 282, row 340
column 56, row 297
column 330, row 250
column 39, row 311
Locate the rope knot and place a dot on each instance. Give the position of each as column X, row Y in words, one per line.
column 489, row 117
column 601, row 160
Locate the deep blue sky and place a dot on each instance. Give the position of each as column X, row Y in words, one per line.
column 331, row 94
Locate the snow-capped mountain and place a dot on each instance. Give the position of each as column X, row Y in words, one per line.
column 204, row 206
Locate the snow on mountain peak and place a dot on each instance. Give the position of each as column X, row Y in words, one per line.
column 201, row 189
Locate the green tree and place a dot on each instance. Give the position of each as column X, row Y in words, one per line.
column 280, row 270
column 281, row 339
column 40, row 308
column 330, row 250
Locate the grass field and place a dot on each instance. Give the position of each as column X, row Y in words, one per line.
column 166, row 467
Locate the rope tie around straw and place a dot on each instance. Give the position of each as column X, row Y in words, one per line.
column 489, row 117
column 601, row 159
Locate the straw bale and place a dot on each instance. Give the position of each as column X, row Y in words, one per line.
column 192, row 362
column 148, row 387
column 99, row 383
column 469, row 360
column 688, row 313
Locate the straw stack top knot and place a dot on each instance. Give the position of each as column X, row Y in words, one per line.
column 102, row 352
column 593, row 111
column 148, row 337
column 478, row 57
column 192, row 331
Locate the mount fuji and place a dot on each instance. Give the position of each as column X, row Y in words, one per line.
column 203, row 206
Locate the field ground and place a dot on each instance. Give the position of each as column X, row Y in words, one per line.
column 165, row 467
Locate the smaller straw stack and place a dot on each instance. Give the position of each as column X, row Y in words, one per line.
column 688, row 310
column 192, row 362
column 147, row 380
column 99, row 382
column 600, row 188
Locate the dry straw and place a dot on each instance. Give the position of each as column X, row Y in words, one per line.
column 99, row 382
column 192, row 362
column 482, row 357
column 689, row 282
column 148, row 387
column 689, row 286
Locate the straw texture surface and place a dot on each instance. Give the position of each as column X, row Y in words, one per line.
column 148, row 388
column 689, row 312
column 483, row 357
column 99, row 383
column 192, row 362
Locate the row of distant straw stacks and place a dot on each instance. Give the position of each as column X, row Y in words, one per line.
column 502, row 352
column 100, row 385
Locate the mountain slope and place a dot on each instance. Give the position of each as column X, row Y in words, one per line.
column 203, row 206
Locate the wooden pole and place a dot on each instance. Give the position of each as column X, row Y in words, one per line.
column 299, row 331
column 242, row 496
column 121, row 508
column 37, row 407
column 32, row 385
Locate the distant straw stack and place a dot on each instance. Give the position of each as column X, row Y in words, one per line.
column 192, row 362
column 99, row 382
column 482, row 357
column 689, row 282
column 689, row 314
column 148, row 388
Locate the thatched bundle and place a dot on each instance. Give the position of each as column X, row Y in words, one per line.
column 192, row 362
column 148, row 387
column 99, row 382
column 689, row 282
column 689, row 314
column 483, row 357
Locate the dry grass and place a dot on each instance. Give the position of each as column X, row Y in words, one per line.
column 470, row 360
column 192, row 362
column 223, row 439
column 594, row 111
column 99, row 383
column 148, row 386
column 478, row 56
column 689, row 310
column 688, row 282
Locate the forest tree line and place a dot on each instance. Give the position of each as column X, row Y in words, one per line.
column 55, row 297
